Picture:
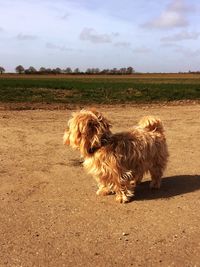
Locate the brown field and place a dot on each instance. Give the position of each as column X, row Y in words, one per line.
column 136, row 76
column 50, row 215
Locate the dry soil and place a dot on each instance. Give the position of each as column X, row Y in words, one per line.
column 51, row 216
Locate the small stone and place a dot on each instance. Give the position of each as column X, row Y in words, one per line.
column 125, row 234
column 96, row 254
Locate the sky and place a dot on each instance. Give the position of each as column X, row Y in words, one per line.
column 149, row 35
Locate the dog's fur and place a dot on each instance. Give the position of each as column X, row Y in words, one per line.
column 118, row 161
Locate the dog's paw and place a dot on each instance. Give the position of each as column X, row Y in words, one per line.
column 123, row 198
column 104, row 191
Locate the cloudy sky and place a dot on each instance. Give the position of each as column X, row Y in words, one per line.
column 150, row 35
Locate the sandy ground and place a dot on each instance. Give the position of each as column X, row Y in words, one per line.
column 51, row 216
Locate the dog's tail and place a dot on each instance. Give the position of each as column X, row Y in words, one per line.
column 151, row 124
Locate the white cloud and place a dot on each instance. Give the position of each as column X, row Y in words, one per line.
column 65, row 16
column 168, row 20
column 180, row 6
column 184, row 35
column 123, row 44
column 62, row 48
column 25, row 37
column 170, row 45
column 89, row 34
column 175, row 15
column 187, row 52
column 141, row 50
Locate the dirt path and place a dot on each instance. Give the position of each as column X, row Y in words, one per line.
column 50, row 215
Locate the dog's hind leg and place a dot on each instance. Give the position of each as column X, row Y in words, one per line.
column 156, row 174
column 139, row 179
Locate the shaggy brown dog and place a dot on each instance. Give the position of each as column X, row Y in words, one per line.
column 118, row 161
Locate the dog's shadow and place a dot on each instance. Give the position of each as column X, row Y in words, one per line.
column 75, row 162
column 171, row 186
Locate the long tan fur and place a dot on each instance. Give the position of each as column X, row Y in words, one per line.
column 118, row 161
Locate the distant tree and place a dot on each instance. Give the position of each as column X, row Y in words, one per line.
column 114, row 71
column 19, row 69
column 58, row 70
column 76, row 70
column 105, row 71
column 2, row 70
column 32, row 70
column 68, row 70
column 88, row 71
column 42, row 70
column 48, row 70
column 97, row 70
column 130, row 70
column 26, row 71
column 53, row 71
column 122, row 71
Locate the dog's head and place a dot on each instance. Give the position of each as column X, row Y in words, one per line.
column 85, row 131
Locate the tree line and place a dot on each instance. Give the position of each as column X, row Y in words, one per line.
column 31, row 70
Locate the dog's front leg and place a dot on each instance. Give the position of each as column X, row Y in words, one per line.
column 104, row 190
column 125, row 192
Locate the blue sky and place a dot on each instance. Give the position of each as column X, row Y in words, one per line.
column 151, row 36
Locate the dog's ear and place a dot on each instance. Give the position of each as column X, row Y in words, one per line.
column 100, row 120
column 104, row 123
column 93, row 138
column 92, row 125
column 66, row 138
column 93, row 130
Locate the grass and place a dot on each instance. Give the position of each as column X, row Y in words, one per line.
column 101, row 90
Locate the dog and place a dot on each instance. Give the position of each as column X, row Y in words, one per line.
column 118, row 161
